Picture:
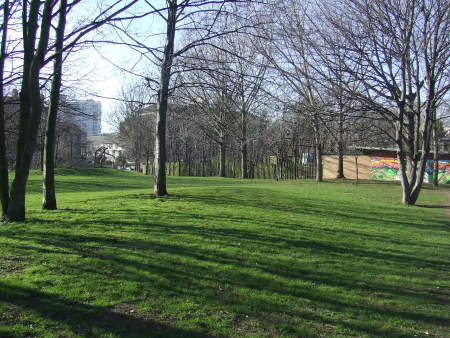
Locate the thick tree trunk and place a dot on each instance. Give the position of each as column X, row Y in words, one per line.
column 412, row 166
column 49, row 193
column 4, row 177
column 406, row 193
column 160, row 188
column 26, row 146
column 404, row 177
column 30, row 104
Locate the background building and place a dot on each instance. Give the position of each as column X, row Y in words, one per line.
column 86, row 114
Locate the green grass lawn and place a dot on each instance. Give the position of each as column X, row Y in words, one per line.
column 225, row 257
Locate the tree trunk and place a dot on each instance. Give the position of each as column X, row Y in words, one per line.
column 160, row 188
column 222, row 161
column 203, row 161
column 30, row 104
column 244, row 164
column 4, row 177
column 340, row 169
column 49, row 194
column 436, row 156
column 319, row 168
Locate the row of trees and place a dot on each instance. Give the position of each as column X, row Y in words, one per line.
column 351, row 70
column 326, row 67
column 43, row 36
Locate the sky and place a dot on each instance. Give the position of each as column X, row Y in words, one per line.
column 92, row 73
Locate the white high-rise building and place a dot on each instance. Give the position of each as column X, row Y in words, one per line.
column 87, row 114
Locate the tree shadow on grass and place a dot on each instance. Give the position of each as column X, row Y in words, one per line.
column 88, row 320
column 305, row 206
column 192, row 273
column 433, row 206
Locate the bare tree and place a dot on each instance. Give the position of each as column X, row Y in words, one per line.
column 178, row 16
column 288, row 51
column 135, row 120
column 207, row 102
column 225, row 84
column 399, row 52
column 65, row 43
column 49, row 195
column 7, row 8
column 36, row 31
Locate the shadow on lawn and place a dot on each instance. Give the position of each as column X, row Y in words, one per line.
column 87, row 320
column 432, row 206
column 162, row 257
column 187, row 271
column 336, row 210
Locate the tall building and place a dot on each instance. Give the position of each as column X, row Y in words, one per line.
column 86, row 114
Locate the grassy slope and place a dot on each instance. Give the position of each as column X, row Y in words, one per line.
column 222, row 257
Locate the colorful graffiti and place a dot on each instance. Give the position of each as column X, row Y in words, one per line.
column 443, row 171
column 388, row 168
column 384, row 168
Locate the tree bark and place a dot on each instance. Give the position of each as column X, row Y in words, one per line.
column 49, row 193
column 340, row 144
column 436, row 156
column 222, row 160
column 244, row 152
column 340, row 169
column 30, row 103
column 319, row 167
column 4, row 177
column 160, row 188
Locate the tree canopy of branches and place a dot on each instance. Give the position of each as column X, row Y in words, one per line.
column 398, row 52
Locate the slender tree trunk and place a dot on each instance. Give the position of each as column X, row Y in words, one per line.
column 160, row 187
column 318, row 149
column 340, row 169
column 244, row 152
column 49, row 194
column 203, row 161
column 4, row 177
column 222, row 159
column 244, row 161
column 340, row 144
column 436, row 156
column 319, row 167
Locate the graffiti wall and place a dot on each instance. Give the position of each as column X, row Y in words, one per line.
column 385, row 168
column 443, row 174
column 388, row 168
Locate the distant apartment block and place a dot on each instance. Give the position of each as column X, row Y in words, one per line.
column 86, row 114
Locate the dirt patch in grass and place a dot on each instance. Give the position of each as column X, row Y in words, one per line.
column 10, row 313
column 10, row 265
